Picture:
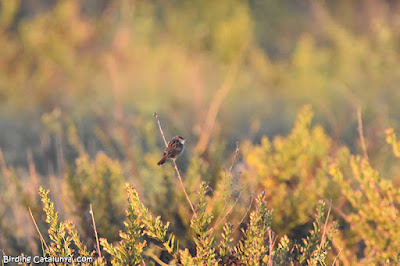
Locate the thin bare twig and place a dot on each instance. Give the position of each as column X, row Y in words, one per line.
column 361, row 133
column 69, row 251
column 183, row 188
column 37, row 229
column 159, row 126
column 223, row 208
column 176, row 167
column 230, row 171
column 95, row 231
column 226, row 214
column 326, row 223
column 341, row 213
column 226, row 202
column 272, row 239
column 245, row 215
column 156, row 259
column 340, row 251
column 234, row 156
column 271, row 245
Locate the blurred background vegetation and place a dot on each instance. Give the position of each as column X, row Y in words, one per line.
column 80, row 80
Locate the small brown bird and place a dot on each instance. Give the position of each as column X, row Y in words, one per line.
column 174, row 149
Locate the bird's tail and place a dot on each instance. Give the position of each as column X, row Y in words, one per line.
column 162, row 161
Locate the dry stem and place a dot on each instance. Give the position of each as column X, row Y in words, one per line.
column 360, row 132
column 326, row 223
column 334, row 261
column 37, row 229
column 156, row 259
column 218, row 221
column 272, row 239
column 95, row 230
column 245, row 215
column 234, row 156
column 226, row 214
column 69, row 251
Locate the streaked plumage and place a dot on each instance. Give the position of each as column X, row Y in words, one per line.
column 174, row 149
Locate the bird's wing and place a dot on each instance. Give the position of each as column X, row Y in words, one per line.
column 174, row 147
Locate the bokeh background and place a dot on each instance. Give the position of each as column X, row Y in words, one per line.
column 81, row 79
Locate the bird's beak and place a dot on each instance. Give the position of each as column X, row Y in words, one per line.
column 183, row 141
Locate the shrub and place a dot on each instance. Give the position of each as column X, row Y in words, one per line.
column 293, row 170
column 255, row 248
column 100, row 183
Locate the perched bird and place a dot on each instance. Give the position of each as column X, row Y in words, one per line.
column 174, row 149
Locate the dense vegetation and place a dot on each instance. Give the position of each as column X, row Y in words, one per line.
column 79, row 82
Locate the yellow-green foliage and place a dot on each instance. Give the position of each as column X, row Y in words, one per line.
column 153, row 226
column 101, row 183
column 130, row 250
column 57, row 230
column 63, row 236
column 291, row 169
column 200, row 223
column 314, row 249
column 392, row 140
column 294, row 171
column 253, row 249
column 374, row 217
column 299, row 168
column 105, row 68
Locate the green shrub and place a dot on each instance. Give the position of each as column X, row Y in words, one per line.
column 100, row 183
column 255, row 248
